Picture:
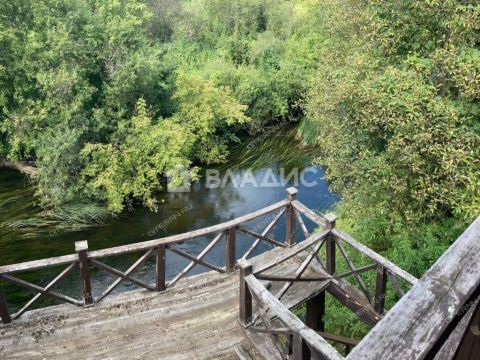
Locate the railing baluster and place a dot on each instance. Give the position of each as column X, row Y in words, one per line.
column 290, row 229
column 380, row 288
column 230, row 250
column 245, row 294
column 316, row 312
column 4, row 312
column 298, row 347
column 330, row 248
column 81, row 248
column 160, row 269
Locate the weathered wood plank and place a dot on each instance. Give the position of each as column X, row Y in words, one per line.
column 301, row 223
column 339, row 339
column 450, row 347
column 38, row 264
column 291, row 278
column 412, row 328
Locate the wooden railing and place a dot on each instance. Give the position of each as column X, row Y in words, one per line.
column 83, row 260
column 320, row 249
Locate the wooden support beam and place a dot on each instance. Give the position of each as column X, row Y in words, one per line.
column 330, row 248
column 395, row 283
column 4, row 311
column 291, row 252
column 298, row 347
column 316, row 312
column 245, row 305
column 160, row 284
column 380, row 290
column 81, row 248
column 290, row 230
column 354, row 302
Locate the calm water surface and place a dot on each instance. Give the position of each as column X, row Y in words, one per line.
column 178, row 212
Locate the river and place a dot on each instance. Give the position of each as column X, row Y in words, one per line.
column 261, row 160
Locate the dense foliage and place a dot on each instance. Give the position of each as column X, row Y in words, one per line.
column 394, row 109
column 108, row 97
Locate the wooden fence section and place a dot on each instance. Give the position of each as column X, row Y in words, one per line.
column 309, row 341
column 84, row 259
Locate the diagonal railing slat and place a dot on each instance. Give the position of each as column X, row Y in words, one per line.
column 47, row 288
column 200, row 256
column 265, row 232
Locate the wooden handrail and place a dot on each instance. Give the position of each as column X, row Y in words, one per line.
column 380, row 260
column 174, row 239
column 145, row 245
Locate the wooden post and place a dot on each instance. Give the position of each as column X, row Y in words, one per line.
column 330, row 248
column 315, row 312
column 290, row 230
column 4, row 312
column 245, row 294
column 300, row 349
column 160, row 269
column 230, row 250
column 380, row 288
column 81, row 248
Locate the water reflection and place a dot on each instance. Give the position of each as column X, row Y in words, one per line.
column 178, row 213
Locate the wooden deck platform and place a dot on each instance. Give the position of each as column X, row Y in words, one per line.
column 197, row 319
